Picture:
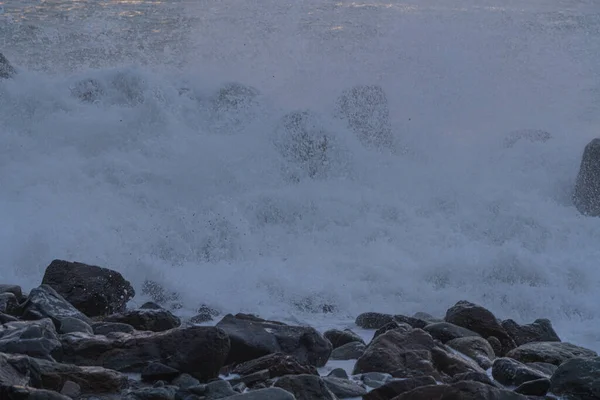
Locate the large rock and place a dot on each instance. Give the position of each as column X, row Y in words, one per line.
column 480, row 320
column 45, row 302
column 397, row 350
column 444, row 331
column 586, row 195
column 511, row 372
column 476, row 348
column 252, row 339
column 93, row 290
column 8, row 303
column 344, row 388
column 577, row 379
column 273, row 393
column 33, row 338
column 373, row 320
column 349, row 351
column 306, row 387
column 452, row 364
column 27, row 393
column 540, row 330
column 6, row 70
column 198, row 351
column 463, row 390
column 366, row 109
column 339, row 338
column 394, row 388
column 146, row 319
column 14, row 289
column 278, row 364
column 549, row 352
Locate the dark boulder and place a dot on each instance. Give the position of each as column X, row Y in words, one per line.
column 373, row 320
column 9, row 303
column 6, row 70
column 511, row 372
column 93, row 290
column 540, row 330
column 586, row 195
column 463, row 390
column 34, row 338
column 538, row 387
column 444, row 331
column 476, row 348
column 272, row 393
column 349, row 351
column 45, row 302
column 344, row 388
column 578, row 379
column 452, row 364
column 394, row 388
column 549, row 352
column 146, row 319
column 252, row 339
column 105, row 328
column 339, row 338
column 28, row 393
column 480, row 320
column 392, row 326
column 156, row 371
column 305, row 387
column 278, row 364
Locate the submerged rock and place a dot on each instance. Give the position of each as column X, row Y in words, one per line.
column 586, row 195
column 6, row 70
column 93, row 290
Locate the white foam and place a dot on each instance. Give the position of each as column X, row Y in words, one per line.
column 156, row 185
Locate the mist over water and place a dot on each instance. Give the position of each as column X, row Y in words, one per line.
column 156, row 177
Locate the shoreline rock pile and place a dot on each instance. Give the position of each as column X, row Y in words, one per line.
column 73, row 338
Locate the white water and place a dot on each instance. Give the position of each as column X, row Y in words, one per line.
column 158, row 185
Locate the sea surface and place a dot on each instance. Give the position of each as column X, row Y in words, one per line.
column 115, row 151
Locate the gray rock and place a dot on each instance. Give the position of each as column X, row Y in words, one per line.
column 70, row 325
column 577, row 379
column 14, row 289
column 93, row 290
column 444, row 331
column 344, row 388
column 156, row 371
column 273, row 393
column 28, row 393
column 477, row 377
column 5, row 318
column 463, row 390
column 545, row 368
column 375, row 379
column 305, row 387
column 349, row 351
column 197, row 350
column 338, row 373
column 511, row 372
column 416, row 323
column 253, row 378
column 218, row 390
column 549, row 352
column 392, row 326
column 586, row 195
column 480, row 320
column 185, row 381
column 45, row 302
column 33, row 338
column 104, row 328
column 365, row 108
column 475, row 347
column 373, row 320
column 71, row 389
column 540, row 330
column 538, row 387
column 339, row 338
column 147, row 319
column 397, row 387
column 254, row 339
column 151, row 393
column 452, row 364
column 6, row 70
column 278, row 364
column 8, row 303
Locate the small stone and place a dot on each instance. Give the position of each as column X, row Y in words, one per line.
column 278, row 364
column 71, row 389
column 349, row 351
column 14, row 289
column 8, row 303
column 185, row 381
column 156, row 371
column 273, row 393
column 218, row 390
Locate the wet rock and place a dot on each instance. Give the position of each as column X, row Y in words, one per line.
column 392, row 326
column 339, row 338
column 151, row 393
column 475, row 376
column 416, row 323
column 578, row 379
column 375, row 379
column 34, row 338
column 539, row 331
column 452, row 364
column 185, row 381
column 28, row 393
column 365, row 108
column 45, row 302
column 273, row 393
column 586, row 195
column 477, row 348
column 93, row 290
column 480, row 320
column 538, row 387
column 7, row 71
column 253, row 378
column 104, row 328
column 14, row 289
column 496, row 345
column 373, row 320
column 344, row 388
column 463, row 390
column 8, row 303
column 430, row 319
column 349, row 351
column 205, row 314
column 394, row 388
column 254, row 339
column 156, row 371
column 70, row 325
column 147, row 319
column 302, row 140
column 513, row 373
column 549, row 352
column 198, row 350
column 278, row 364
column 532, row 135
column 444, row 331
column 71, row 389
column 338, row 373
column 150, row 305
column 218, row 390
column 5, row 318
column 544, row 368
column 305, row 387
column 396, row 350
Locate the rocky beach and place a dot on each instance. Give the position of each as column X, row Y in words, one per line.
column 74, row 337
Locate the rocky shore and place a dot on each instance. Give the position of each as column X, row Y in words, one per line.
column 73, row 337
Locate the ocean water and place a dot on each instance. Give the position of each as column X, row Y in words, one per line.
column 154, row 176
